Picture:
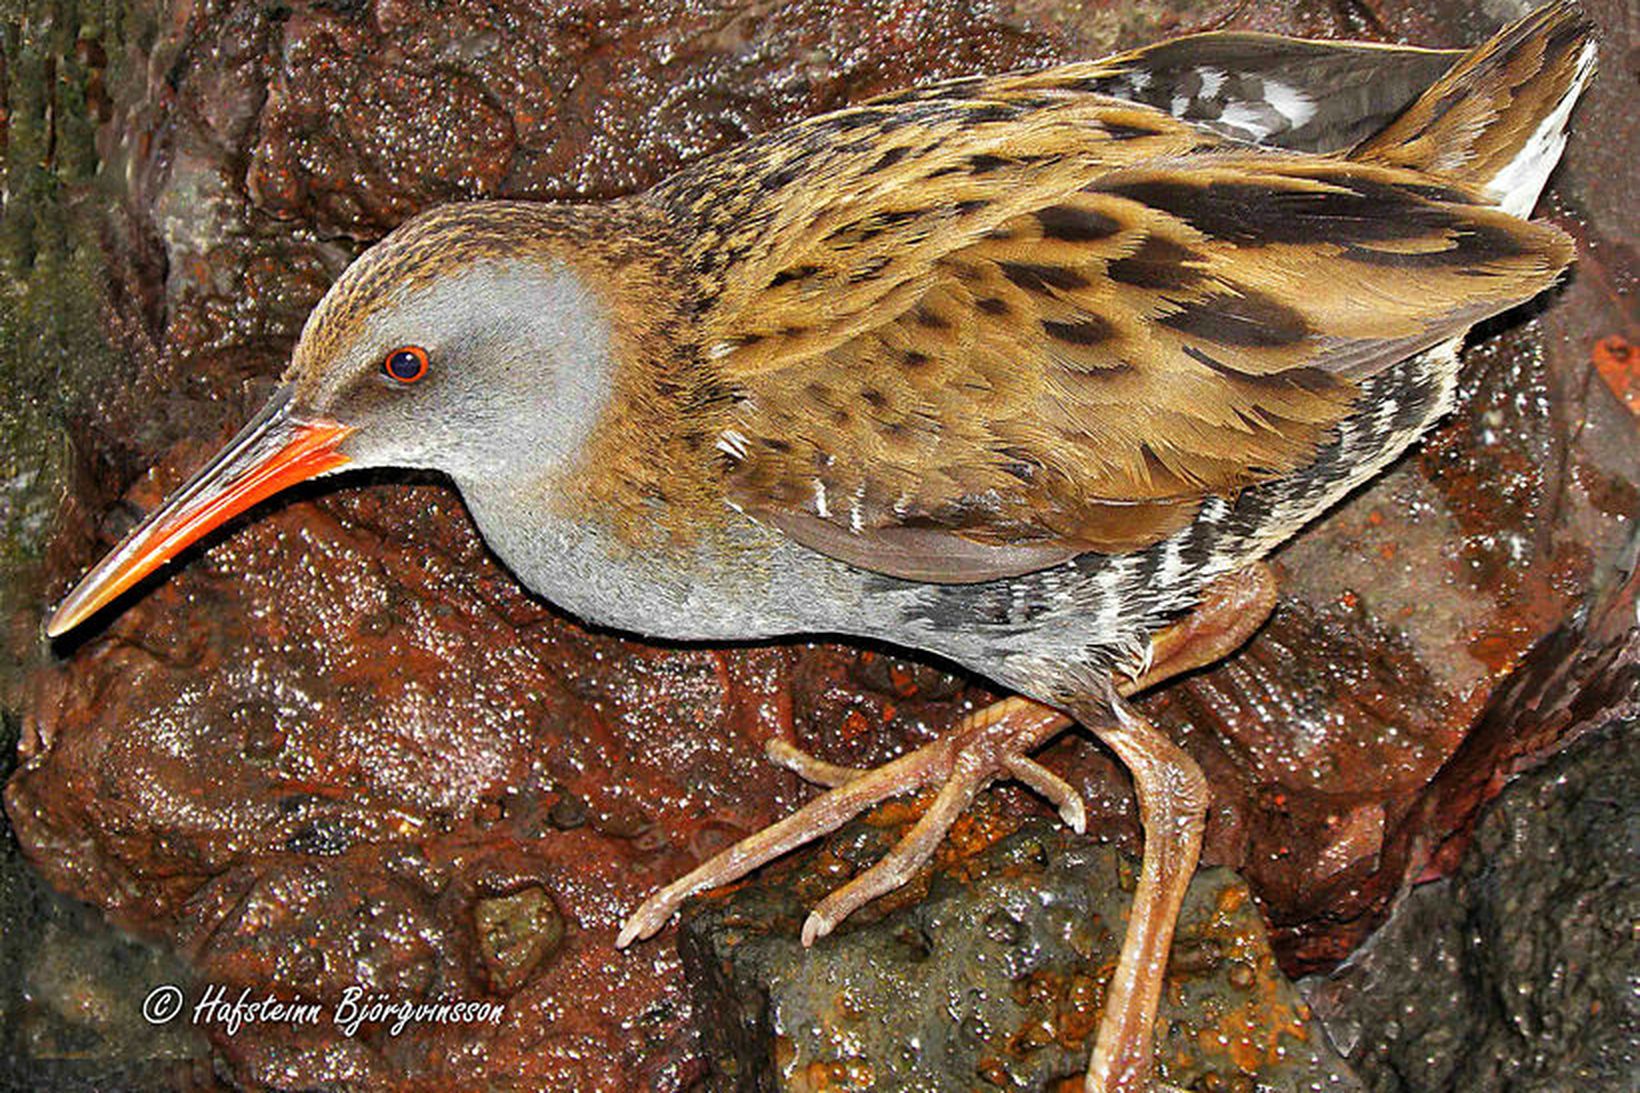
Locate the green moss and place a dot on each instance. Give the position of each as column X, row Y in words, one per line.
column 53, row 347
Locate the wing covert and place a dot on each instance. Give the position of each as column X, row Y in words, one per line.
column 1061, row 324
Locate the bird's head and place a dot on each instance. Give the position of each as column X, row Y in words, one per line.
column 465, row 342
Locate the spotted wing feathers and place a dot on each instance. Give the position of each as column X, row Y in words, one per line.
column 1086, row 373
column 974, row 329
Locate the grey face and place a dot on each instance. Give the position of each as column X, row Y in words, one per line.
column 517, row 372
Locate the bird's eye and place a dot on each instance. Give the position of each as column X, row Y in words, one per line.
column 407, row 363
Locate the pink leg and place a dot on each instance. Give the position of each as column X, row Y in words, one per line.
column 1172, row 811
column 996, row 742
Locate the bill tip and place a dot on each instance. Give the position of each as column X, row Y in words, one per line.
column 61, row 621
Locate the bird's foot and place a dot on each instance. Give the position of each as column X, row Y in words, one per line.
column 995, row 742
column 1059, row 793
column 990, row 743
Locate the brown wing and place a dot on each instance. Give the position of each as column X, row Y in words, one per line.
column 1061, row 326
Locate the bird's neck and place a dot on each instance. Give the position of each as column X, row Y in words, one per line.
column 650, row 471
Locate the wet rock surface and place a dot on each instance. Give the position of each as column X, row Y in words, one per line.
column 71, row 1012
column 1515, row 973
column 339, row 747
column 992, row 976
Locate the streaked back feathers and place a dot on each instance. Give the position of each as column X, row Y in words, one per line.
column 1018, row 310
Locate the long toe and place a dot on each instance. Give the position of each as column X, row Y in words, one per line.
column 820, row 816
column 1059, row 793
column 808, row 767
column 899, row 864
column 990, row 743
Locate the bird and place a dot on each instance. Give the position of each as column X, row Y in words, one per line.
column 1027, row 371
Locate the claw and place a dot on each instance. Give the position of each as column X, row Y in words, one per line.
column 815, row 927
column 1060, row 793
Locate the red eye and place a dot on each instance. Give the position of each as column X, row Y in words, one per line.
column 407, row 363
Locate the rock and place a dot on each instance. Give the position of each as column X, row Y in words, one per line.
column 72, row 994
column 994, row 976
column 515, row 934
column 345, row 712
column 1516, row 973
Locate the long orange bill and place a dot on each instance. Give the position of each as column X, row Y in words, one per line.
column 274, row 451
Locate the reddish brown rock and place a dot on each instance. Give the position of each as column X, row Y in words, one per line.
column 311, row 756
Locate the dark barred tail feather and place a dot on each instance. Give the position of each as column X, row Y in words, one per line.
column 1497, row 120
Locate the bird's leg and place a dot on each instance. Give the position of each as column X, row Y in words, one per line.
column 990, row 743
column 1172, row 813
column 1173, row 799
column 1231, row 609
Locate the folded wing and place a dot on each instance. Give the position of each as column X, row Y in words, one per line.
column 1018, row 321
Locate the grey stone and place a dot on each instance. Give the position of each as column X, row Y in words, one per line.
column 1519, row 972
column 993, row 978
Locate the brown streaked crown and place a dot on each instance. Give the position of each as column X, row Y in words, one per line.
column 431, row 245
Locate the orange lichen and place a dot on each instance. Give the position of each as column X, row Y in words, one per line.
column 992, row 1071
column 1250, row 1035
column 1079, row 1014
column 1617, row 361
column 820, row 1076
column 855, row 725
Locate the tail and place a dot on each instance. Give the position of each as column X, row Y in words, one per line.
column 1497, row 120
